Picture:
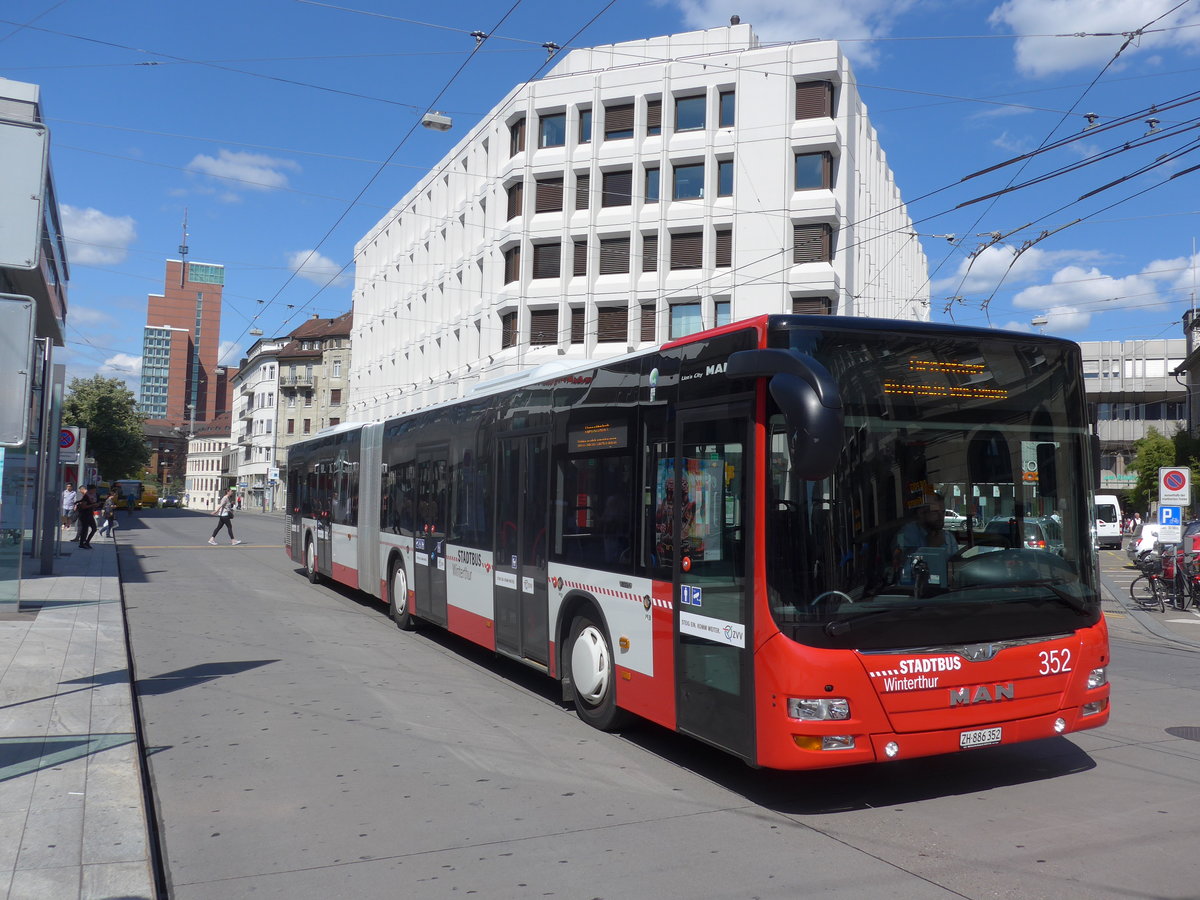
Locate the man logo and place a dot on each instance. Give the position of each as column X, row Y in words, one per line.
column 982, row 694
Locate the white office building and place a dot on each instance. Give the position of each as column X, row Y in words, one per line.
column 638, row 192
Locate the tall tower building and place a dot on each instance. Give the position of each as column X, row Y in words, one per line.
column 181, row 382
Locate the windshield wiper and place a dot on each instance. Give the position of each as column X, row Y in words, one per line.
column 1076, row 603
column 836, row 627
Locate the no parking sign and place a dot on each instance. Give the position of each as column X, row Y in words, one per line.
column 1174, row 486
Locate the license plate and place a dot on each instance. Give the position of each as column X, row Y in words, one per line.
column 981, row 738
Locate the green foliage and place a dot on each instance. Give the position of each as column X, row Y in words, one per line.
column 1151, row 453
column 108, row 409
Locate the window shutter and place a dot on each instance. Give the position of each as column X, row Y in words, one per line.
column 578, row 334
column 547, row 260
column 724, row 248
column 647, row 330
column 814, row 99
column 516, row 137
column 811, row 306
column 512, row 264
column 687, row 250
column 580, row 262
column 515, row 194
column 650, row 253
column 612, row 324
column 614, row 256
column 549, row 195
column 618, row 188
column 812, row 243
column 508, row 329
column 653, row 117
column 543, row 326
column 583, row 185
column 618, row 119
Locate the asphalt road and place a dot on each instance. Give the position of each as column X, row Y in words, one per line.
column 300, row 746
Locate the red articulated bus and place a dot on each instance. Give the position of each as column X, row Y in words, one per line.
column 797, row 538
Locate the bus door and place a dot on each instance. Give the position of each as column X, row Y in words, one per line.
column 429, row 535
column 713, row 628
column 521, row 593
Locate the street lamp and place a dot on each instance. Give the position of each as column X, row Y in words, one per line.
column 165, row 465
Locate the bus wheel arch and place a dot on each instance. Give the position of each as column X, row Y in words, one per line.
column 398, row 600
column 589, row 666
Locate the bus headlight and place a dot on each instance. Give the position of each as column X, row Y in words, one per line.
column 818, row 709
column 1098, row 677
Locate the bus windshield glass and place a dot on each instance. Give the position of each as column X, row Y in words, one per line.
column 959, row 511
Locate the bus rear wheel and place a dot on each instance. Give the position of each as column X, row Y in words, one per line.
column 398, row 598
column 593, row 676
column 310, row 562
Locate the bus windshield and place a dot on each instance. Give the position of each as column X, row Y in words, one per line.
column 959, row 511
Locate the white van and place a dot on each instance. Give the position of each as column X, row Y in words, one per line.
column 1108, row 521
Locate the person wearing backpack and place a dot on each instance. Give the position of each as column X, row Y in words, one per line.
column 224, row 514
column 86, row 508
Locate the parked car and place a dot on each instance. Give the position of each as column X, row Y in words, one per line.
column 1039, row 533
column 956, row 521
column 1143, row 543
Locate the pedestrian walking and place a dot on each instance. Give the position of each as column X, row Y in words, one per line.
column 224, row 514
column 85, row 508
column 108, row 517
column 69, row 498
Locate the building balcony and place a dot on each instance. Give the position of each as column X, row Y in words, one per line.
column 298, row 381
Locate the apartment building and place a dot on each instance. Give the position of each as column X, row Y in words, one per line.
column 208, row 471
column 637, row 193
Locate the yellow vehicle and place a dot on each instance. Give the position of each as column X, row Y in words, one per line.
column 136, row 493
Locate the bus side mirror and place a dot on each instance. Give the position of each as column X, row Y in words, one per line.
column 809, row 398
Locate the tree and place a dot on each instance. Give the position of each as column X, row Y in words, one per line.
column 1150, row 454
column 108, row 410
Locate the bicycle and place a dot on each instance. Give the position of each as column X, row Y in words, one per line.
column 1145, row 590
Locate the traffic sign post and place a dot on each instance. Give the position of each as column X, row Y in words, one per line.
column 1174, row 486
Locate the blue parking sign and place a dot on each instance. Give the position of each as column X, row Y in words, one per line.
column 1170, row 515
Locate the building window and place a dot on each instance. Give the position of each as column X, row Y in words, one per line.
column 335, row 397
column 583, row 186
column 508, row 329
column 652, row 184
column 726, row 111
column 814, row 99
column 722, row 312
column 543, row 326
column 337, row 368
column 547, row 260
column 646, row 332
column 614, row 256
column 685, row 319
column 813, row 171
column 516, row 137
column 578, row 332
column 689, row 113
column 811, row 306
column 650, row 253
column 688, row 182
column 723, row 251
column 725, row 178
column 291, row 426
column 552, row 130
column 617, row 188
column 618, row 122
column 515, row 194
column 334, row 420
column 812, row 243
column 579, row 263
column 585, row 126
column 612, row 325
column 687, row 250
column 307, row 427
column 549, row 195
column 654, row 117
column 308, row 398
column 512, row 264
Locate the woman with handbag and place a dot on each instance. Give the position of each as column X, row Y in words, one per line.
column 224, row 514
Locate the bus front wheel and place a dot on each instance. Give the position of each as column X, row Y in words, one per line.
column 593, row 676
column 310, row 561
column 398, row 598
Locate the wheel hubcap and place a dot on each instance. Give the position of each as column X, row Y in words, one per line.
column 590, row 668
column 400, row 590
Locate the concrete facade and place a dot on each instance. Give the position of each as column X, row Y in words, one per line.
column 637, row 193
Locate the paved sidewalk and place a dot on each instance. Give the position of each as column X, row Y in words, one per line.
column 72, row 809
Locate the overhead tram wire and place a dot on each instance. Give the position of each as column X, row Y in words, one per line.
column 546, row 62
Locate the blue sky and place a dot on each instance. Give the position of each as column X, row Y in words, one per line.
column 287, row 128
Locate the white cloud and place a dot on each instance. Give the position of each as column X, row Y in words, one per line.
column 995, row 265
column 314, row 267
column 89, row 318
column 121, row 365
column 250, row 171
column 788, row 20
column 229, row 353
column 94, row 238
column 1040, row 56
